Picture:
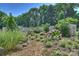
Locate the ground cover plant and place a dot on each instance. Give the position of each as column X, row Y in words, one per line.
column 9, row 39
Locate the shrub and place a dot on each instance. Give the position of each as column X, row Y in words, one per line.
column 62, row 25
column 48, row 44
column 37, row 30
column 10, row 22
column 46, row 27
column 9, row 39
column 65, row 30
column 56, row 34
column 69, row 44
column 56, row 53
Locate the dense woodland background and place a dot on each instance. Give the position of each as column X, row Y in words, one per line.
column 44, row 14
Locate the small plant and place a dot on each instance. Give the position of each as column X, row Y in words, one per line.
column 63, row 43
column 56, row 34
column 69, row 44
column 56, row 53
column 48, row 44
column 37, row 39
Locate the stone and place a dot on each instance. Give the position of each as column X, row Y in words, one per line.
column 72, row 28
column 19, row 47
column 51, row 28
column 24, row 44
column 4, row 29
column 1, row 51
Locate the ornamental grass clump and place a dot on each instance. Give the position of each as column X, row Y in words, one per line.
column 9, row 39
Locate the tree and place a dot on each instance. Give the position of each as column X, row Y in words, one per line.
column 10, row 22
column 51, row 15
column 47, row 14
column 65, row 10
column 43, row 12
column 2, row 14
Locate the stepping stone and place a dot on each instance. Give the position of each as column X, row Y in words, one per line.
column 24, row 44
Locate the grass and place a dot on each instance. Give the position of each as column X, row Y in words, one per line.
column 9, row 39
column 48, row 44
column 70, row 44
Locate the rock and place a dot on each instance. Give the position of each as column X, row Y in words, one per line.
column 51, row 28
column 19, row 47
column 4, row 29
column 28, row 41
column 1, row 51
column 24, row 45
column 72, row 30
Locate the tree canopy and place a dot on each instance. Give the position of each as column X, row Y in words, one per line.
column 45, row 14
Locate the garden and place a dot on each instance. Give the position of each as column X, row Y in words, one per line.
column 47, row 37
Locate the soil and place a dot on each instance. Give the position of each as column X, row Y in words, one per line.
column 37, row 48
column 34, row 48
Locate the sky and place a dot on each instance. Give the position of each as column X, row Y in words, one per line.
column 19, row 8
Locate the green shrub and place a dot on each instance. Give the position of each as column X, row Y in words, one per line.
column 62, row 25
column 48, row 44
column 9, row 39
column 56, row 53
column 37, row 30
column 9, row 22
column 46, row 27
column 56, row 34
column 65, row 30
column 69, row 44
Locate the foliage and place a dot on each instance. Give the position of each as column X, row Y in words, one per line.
column 56, row 53
column 46, row 27
column 47, row 14
column 56, row 34
column 37, row 30
column 78, row 34
column 9, row 22
column 9, row 39
column 68, row 43
column 59, row 52
column 62, row 25
column 48, row 44
column 2, row 15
